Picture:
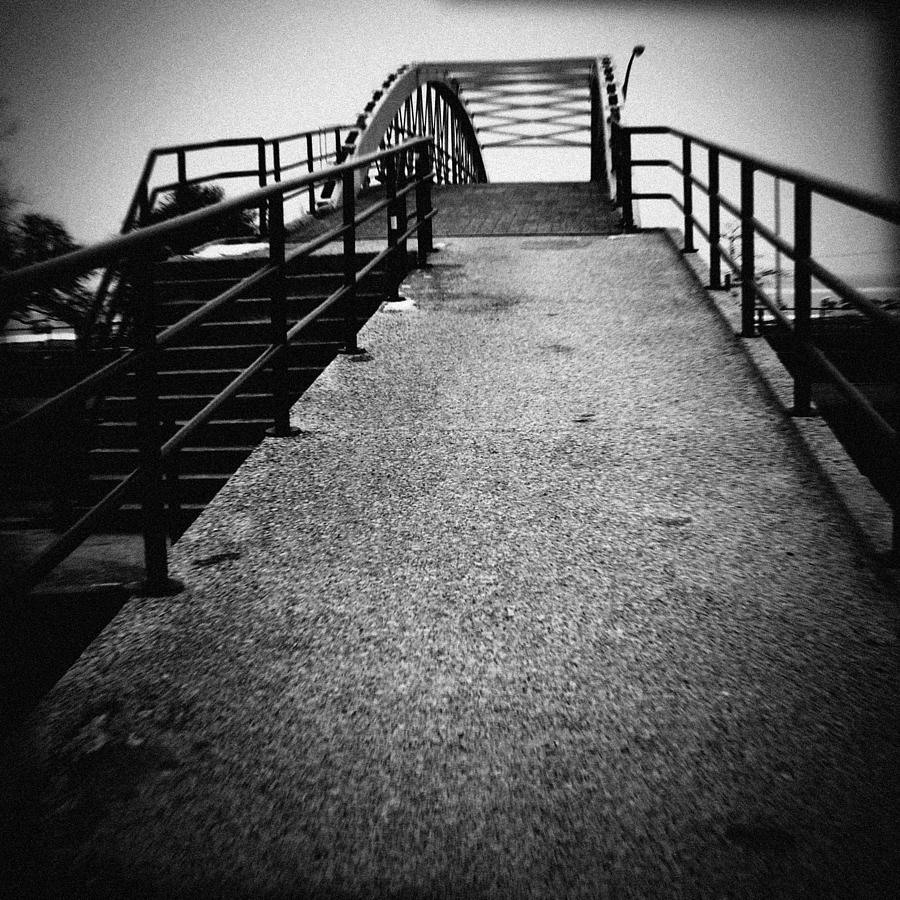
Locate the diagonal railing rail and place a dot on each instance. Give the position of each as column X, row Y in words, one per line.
column 134, row 253
column 805, row 267
column 273, row 159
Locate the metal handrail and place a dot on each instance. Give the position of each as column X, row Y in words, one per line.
column 806, row 185
column 136, row 249
column 864, row 201
column 144, row 199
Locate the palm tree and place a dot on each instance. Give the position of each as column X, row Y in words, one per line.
column 188, row 198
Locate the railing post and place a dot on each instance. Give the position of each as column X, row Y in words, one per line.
column 423, row 204
column 392, row 270
column 309, row 168
column 596, row 130
column 748, row 272
column 156, row 581
column 261, row 163
column 173, row 493
column 143, row 205
column 338, row 149
column 614, row 155
column 276, row 160
column 715, row 236
column 349, row 221
column 624, row 179
column 687, row 195
column 895, row 534
column 802, row 296
column 402, row 249
column 182, row 167
column 281, row 413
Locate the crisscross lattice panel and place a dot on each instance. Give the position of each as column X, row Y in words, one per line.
column 527, row 103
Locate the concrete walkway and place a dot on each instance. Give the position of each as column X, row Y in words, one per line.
column 544, row 601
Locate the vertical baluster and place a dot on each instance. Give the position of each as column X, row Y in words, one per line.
column 624, row 179
column 402, row 249
column 143, row 206
column 748, row 270
column 156, row 564
column 309, row 168
column 276, row 160
column 687, row 194
column 261, row 165
column 182, row 167
column 423, row 203
column 349, row 221
column 596, row 130
column 778, row 291
column 802, row 295
column 173, row 493
column 281, row 413
column 715, row 236
column 392, row 273
column 895, row 530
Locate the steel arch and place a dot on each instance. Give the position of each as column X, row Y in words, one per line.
column 415, row 100
column 556, row 103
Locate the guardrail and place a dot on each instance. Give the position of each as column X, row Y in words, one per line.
column 134, row 254
column 314, row 152
column 805, row 187
column 317, row 148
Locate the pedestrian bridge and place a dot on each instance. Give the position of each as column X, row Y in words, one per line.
column 537, row 589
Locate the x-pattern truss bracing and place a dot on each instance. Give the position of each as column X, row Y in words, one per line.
column 540, row 103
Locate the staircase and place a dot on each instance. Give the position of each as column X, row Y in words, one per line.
column 207, row 360
column 202, row 364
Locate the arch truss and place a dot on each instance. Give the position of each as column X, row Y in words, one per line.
column 469, row 107
column 429, row 110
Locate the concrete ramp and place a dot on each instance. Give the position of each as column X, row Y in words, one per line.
column 543, row 601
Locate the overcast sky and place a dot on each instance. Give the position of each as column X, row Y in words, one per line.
column 94, row 85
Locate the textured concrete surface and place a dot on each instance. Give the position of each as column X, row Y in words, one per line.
column 545, row 600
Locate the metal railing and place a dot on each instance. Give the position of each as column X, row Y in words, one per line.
column 268, row 164
column 805, row 266
column 134, row 254
column 311, row 150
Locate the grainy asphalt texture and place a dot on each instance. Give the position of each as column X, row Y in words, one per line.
column 544, row 601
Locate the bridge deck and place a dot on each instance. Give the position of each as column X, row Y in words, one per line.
column 497, row 208
column 544, row 601
column 503, row 208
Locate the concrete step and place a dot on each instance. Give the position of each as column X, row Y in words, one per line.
column 218, row 433
column 257, row 308
column 259, row 331
column 203, row 289
column 212, row 460
column 189, row 269
column 198, row 487
column 210, row 381
column 183, row 406
column 194, row 356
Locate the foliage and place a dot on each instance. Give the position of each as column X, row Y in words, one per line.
column 189, row 198
column 36, row 238
column 7, row 200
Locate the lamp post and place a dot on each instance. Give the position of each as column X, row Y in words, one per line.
column 638, row 50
